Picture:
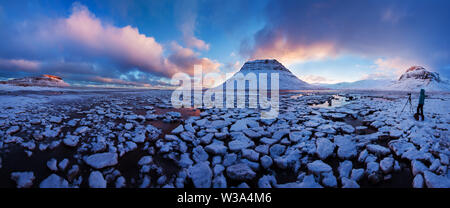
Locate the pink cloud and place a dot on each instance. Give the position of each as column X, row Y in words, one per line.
column 280, row 48
column 124, row 44
column 20, row 64
column 184, row 59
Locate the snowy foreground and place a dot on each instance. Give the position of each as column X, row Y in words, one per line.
column 134, row 139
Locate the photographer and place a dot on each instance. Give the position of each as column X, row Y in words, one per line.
column 420, row 106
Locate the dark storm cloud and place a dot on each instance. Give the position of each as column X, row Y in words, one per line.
column 304, row 30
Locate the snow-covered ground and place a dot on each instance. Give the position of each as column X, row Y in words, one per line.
column 129, row 138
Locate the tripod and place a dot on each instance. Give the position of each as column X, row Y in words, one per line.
column 408, row 101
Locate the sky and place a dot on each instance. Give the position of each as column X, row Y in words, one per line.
column 143, row 43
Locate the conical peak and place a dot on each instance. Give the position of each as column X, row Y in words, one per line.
column 264, row 64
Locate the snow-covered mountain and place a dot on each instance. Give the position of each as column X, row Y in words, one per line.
column 415, row 78
column 43, row 81
column 287, row 80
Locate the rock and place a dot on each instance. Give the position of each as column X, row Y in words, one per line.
column 243, row 185
column 23, row 179
column 187, row 136
column 251, row 134
column 140, row 138
column 101, row 160
column 348, row 183
column 239, row 125
column 216, row 148
column 145, row 160
column 218, row 124
column 242, row 142
column 414, row 154
column 54, row 181
column 178, row 130
column 277, row 150
column 378, row 149
column 267, row 141
column 185, row 161
column 435, row 165
column 35, row 121
column 207, row 138
column 128, row 126
column 345, row 168
column 317, row 167
column 240, row 172
column 174, row 114
column 250, row 154
column 188, row 127
column 96, row 180
column 71, row 140
column 161, row 180
column 280, row 134
column 362, row 156
column 309, row 182
column 52, row 164
column 55, row 119
column 346, row 148
column 400, row 146
column 329, row 180
column 262, row 149
column 434, row 181
column 387, row 164
column 357, row 174
column 81, row 130
column 348, row 129
column 120, row 182
column 199, row 154
column 395, row 133
column 372, row 167
column 13, row 130
column 63, row 164
column 266, row 161
column 418, row 181
column 444, row 159
column 201, row 175
column 324, row 148
column 370, row 158
column 417, row 167
column 218, row 169
column 266, row 181
column 73, row 172
column 229, row 159
column 145, row 182
column 219, row 182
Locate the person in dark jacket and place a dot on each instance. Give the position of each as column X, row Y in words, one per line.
column 421, row 103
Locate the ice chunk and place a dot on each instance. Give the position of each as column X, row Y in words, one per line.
column 324, row 148
column 201, row 175
column 54, row 181
column 318, row 167
column 23, row 179
column 96, row 180
column 434, row 181
column 378, row 149
column 345, row 168
column 240, row 172
column 101, row 160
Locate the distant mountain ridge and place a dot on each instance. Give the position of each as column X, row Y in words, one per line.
column 43, row 81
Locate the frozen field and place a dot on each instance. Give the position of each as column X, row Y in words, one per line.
column 124, row 138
